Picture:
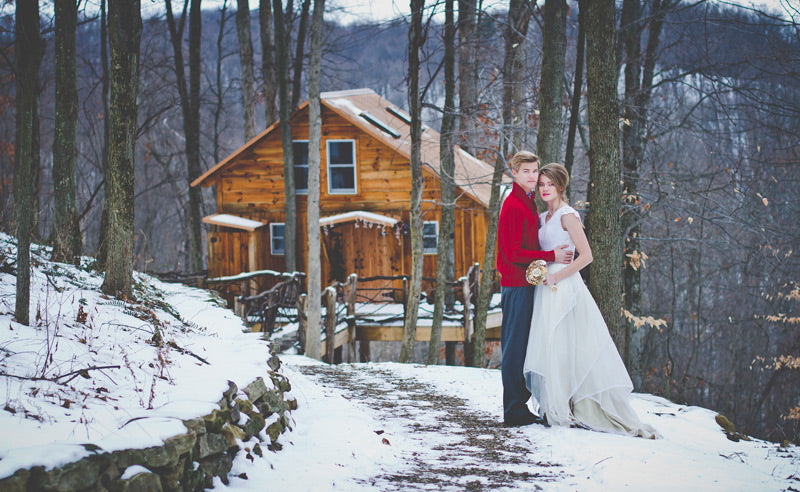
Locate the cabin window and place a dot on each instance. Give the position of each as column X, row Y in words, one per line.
column 300, row 153
column 341, row 166
column 276, row 238
column 430, row 237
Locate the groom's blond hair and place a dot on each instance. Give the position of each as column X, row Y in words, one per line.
column 522, row 157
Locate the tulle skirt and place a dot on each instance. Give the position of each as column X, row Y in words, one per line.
column 572, row 366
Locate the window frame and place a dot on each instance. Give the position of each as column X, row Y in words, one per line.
column 435, row 249
column 297, row 190
column 272, row 236
column 342, row 191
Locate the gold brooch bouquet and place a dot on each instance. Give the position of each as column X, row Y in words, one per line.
column 536, row 272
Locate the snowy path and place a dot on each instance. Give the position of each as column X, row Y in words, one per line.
column 454, row 447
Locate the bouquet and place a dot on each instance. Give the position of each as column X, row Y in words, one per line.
column 536, row 272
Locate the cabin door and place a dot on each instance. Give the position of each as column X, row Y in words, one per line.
column 367, row 250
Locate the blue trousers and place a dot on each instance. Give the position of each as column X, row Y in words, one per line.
column 517, row 304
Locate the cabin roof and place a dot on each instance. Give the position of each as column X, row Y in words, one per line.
column 388, row 124
column 233, row 221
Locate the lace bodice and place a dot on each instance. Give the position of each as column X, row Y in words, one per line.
column 552, row 233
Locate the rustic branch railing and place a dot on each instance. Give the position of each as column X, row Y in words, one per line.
column 368, row 301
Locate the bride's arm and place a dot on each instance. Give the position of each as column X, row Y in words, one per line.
column 572, row 224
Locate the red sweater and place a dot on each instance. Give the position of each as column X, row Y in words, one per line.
column 518, row 238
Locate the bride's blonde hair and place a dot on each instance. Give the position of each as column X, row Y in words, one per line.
column 559, row 176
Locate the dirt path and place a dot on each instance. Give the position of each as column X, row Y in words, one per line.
column 458, row 447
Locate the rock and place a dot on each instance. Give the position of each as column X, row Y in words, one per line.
column 17, row 482
column 230, row 393
column 281, row 382
column 198, row 426
column 216, row 419
column 141, row 482
column 256, row 389
column 274, row 363
column 291, row 404
column 108, row 475
column 253, row 426
column 216, row 466
column 231, row 433
column 246, row 406
column 74, row 476
column 209, row 444
column 271, row 403
column 726, row 424
column 274, row 430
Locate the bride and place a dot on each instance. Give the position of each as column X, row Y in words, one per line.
column 572, row 367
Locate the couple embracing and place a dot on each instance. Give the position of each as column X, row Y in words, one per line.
column 556, row 346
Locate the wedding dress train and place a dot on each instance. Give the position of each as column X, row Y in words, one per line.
column 572, row 366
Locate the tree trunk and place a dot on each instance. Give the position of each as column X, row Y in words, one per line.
column 446, row 171
column 514, row 89
column 415, row 41
column 66, row 229
column 639, row 72
column 101, row 242
column 282, row 59
column 268, row 61
column 124, row 30
column 246, row 61
column 190, row 106
column 519, row 17
column 29, row 51
column 604, row 224
column 467, row 73
column 314, row 270
column 300, row 54
column 554, row 49
column 577, row 88
column 219, row 103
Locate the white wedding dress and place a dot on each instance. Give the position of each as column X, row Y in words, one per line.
column 572, row 366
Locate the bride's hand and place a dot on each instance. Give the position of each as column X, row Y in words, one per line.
column 550, row 280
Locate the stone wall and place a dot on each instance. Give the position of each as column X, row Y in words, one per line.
column 188, row 461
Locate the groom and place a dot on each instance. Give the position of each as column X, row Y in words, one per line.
column 517, row 246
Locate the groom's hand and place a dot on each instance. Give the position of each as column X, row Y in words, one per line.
column 563, row 255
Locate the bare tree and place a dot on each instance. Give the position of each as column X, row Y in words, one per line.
column 415, row 41
column 467, row 72
column 29, row 52
column 314, row 270
column 268, row 67
column 577, row 88
column 105, row 89
column 517, row 26
column 190, row 106
column 124, row 30
column 300, row 53
column 285, row 109
column 446, row 174
column 246, row 60
column 604, row 228
column 554, row 49
column 66, row 230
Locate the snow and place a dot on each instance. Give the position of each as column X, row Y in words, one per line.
column 342, row 438
column 359, row 214
column 233, row 221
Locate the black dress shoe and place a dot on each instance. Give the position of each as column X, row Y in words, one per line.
column 525, row 420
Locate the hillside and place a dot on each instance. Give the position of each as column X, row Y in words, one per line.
column 90, row 376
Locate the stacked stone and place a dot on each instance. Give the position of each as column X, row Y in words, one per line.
column 185, row 462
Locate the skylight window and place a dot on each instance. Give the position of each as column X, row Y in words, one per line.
column 379, row 124
column 403, row 116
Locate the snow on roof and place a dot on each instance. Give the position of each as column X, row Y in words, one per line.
column 233, row 221
column 358, row 215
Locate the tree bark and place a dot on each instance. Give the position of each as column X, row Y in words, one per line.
column 124, row 30
column 268, row 61
column 467, row 73
column 285, row 108
column 554, row 49
column 29, row 51
column 219, row 106
column 519, row 16
column 446, row 171
column 314, row 270
column 518, row 20
column 604, row 224
column 246, row 61
column 190, row 106
column 415, row 41
column 577, row 88
column 105, row 87
column 300, row 53
column 66, row 228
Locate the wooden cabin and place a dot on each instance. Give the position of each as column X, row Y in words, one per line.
column 365, row 182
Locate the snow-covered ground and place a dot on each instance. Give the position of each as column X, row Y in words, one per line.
column 377, row 426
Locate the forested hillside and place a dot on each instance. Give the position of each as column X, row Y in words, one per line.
column 710, row 203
